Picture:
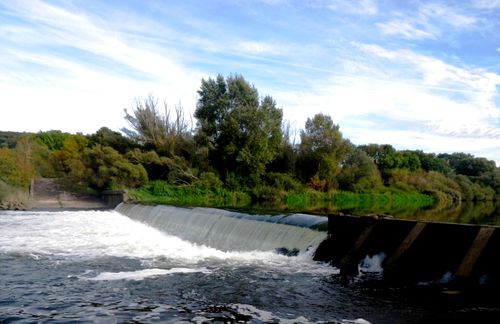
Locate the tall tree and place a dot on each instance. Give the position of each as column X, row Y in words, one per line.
column 359, row 172
column 239, row 133
column 322, row 149
column 163, row 132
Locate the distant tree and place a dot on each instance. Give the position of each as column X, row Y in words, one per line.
column 322, row 150
column 108, row 169
column 431, row 162
column 156, row 130
column 106, row 137
column 359, row 172
column 491, row 179
column 238, row 133
column 176, row 170
column 53, row 140
column 10, row 173
column 467, row 164
column 286, row 159
column 9, row 139
column 69, row 157
column 383, row 155
column 407, row 160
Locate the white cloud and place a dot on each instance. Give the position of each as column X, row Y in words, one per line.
column 257, row 48
column 406, row 99
column 75, row 94
column 405, row 29
column 429, row 22
column 360, row 7
column 487, row 4
column 446, row 15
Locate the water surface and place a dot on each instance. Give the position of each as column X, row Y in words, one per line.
column 100, row 266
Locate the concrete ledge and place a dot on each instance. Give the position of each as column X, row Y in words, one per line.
column 415, row 251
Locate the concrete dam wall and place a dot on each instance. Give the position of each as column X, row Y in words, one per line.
column 409, row 252
column 415, row 252
column 232, row 231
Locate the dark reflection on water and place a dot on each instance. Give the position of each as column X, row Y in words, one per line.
column 41, row 289
column 484, row 213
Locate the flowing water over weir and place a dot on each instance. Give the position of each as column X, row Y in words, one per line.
column 231, row 231
column 196, row 266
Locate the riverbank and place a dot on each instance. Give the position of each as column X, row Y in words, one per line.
column 383, row 201
column 48, row 194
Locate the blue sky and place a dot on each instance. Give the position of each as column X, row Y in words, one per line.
column 414, row 74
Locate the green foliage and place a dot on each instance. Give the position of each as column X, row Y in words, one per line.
column 283, row 181
column 241, row 153
column 240, row 134
column 322, row 149
column 209, row 181
column 106, row 137
column 168, row 135
column 4, row 191
column 161, row 192
column 491, row 179
column 10, row 172
column 359, row 173
column 108, row 169
column 53, row 140
column 431, row 162
column 468, row 165
column 9, row 139
column 175, row 170
column 267, row 194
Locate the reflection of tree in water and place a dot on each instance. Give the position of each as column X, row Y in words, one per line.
column 484, row 212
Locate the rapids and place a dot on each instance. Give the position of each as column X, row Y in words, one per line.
column 102, row 266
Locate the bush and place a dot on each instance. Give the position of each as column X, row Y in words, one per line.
column 267, row 194
column 282, row 181
column 208, row 180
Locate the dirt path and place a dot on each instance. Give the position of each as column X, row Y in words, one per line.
column 48, row 194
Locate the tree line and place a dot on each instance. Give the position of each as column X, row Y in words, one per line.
column 240, row 142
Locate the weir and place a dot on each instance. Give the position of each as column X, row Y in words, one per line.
column 232, row 231
column 454, row 255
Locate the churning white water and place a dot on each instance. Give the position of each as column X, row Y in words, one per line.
column 230, row 231
column 94, row 234
column 102, row 266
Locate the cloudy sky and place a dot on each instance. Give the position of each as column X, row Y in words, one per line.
column 414, row 74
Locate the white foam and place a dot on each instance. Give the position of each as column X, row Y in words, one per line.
column 269, row 317
column 96, row 234
column 372, row 263
column 145, row 273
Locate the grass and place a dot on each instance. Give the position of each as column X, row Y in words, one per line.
column 382, row 201
column 159, row 192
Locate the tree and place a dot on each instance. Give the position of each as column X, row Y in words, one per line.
column 468, row 165
column 238, row 133
column 359, row 172
column 10, row 173
column 53, row 140
column 106, row 137
column 158, row 131
column 383, row 155
column 431, row 162
column 322, row 149
column 108, row 169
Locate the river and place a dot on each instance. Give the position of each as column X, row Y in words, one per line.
column 101, row 267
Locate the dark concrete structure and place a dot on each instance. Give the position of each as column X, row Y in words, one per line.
column 415, row 251
column 113, row 198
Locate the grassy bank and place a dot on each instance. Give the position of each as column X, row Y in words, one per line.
column 384, row 201
column 159, row 192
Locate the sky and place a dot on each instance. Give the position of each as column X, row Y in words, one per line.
column 419, row 75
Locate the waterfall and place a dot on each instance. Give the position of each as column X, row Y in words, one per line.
column 231, row 231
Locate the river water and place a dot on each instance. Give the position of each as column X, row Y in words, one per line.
column 101, row 266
